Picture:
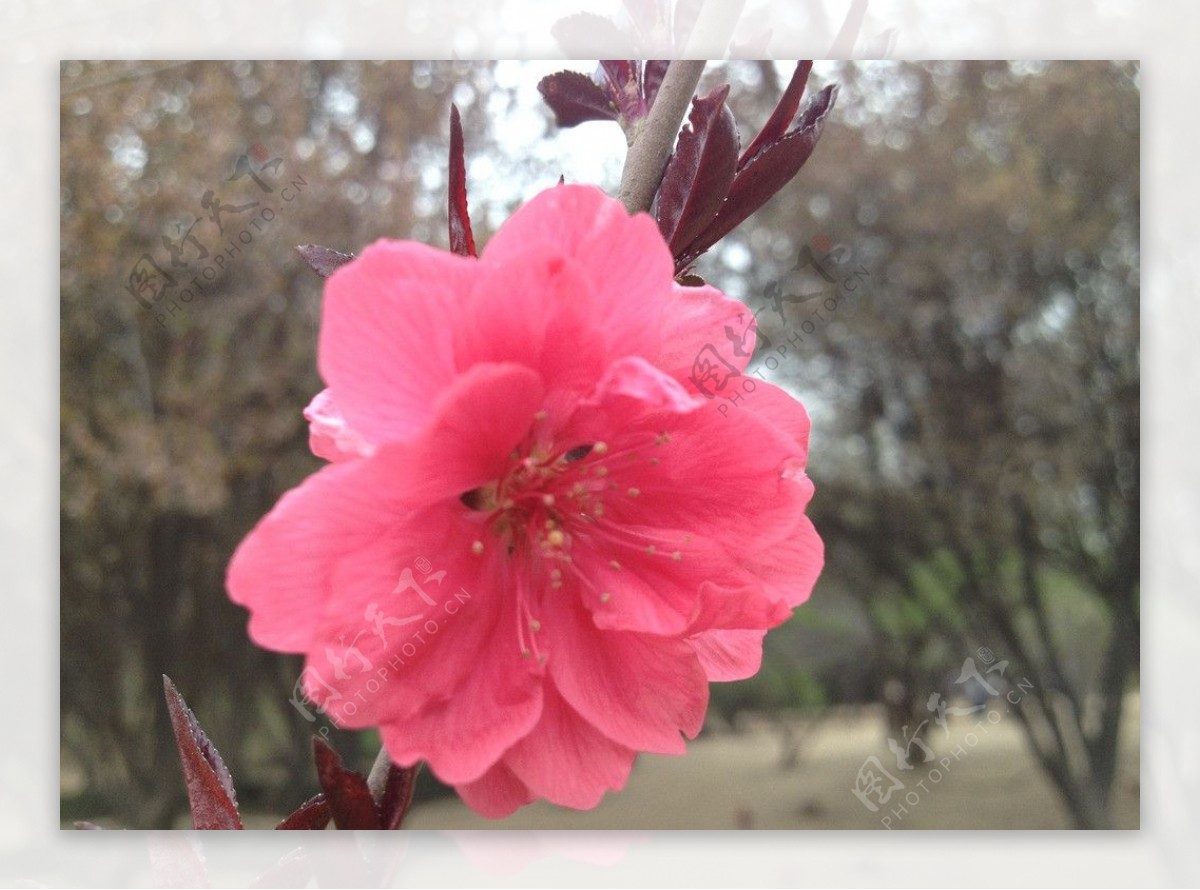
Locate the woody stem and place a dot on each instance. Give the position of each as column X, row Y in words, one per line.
column 647, row 157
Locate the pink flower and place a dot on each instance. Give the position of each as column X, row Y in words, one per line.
column 539, row 540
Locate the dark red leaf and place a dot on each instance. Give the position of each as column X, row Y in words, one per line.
column 575, row 98
column 209, row 785
column 462, row 242
column 769, row 171
column 622, row 79
column 312, row 815
column 699, row 173
column 843, row 45
column 652, row 78
column 785, row 109
column 324, row 260
column 586, row 35
column 349, row 799
column 392, row 788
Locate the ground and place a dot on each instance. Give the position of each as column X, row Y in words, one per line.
column 735, row 779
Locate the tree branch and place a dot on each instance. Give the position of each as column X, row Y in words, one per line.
column 652, row 144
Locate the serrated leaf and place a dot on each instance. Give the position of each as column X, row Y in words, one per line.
column 781, row 117
column 312, row 815
column 350, row 801
column 575, row 98
column 769, row 171
column 209, row 785
column 462, row 242
column 699, row 173
column 323, row 260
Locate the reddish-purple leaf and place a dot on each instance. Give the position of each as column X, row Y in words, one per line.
column 785, row 109
column 699, row 173
column 209, row 785
column 312, row 815
column 575, row 98
column 462, row 242
column 324, row 260
column 350, row 800
column 622, row 79
column 769, row 171
column 652, row 78
column 392, row 788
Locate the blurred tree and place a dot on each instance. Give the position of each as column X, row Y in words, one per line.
column 976, row 382
column 181, row 426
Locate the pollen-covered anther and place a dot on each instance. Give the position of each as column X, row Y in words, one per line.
column 535, row 625
column 541, row 415
column 555, row 538
column 600, row 448
column 548, row 500
column 634, row 492
column 477, row 548
column 614, row 565
column 677, row 556
column 605, row 597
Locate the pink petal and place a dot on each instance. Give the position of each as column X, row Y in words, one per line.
column 387, row 333
column 478, row 420
column 624, row 258
column 329, row 436
column 282, row 570
column 463, row 733
column 534, row 309
column 783, row 412
column 699, row 322
column 566, row 760
column 729, row 654
column 640, row 691
column 495, row 794
column 746, row 608
column 789, row 568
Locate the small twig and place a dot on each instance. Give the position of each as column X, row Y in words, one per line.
column 647, row 157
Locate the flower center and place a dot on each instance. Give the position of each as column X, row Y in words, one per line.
column 551, row 499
